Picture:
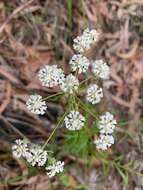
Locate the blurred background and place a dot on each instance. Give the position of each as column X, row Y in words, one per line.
column 38, row 32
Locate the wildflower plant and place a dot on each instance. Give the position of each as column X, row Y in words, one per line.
column 78, row 116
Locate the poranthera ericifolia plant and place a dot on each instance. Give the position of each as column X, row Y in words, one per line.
column 74, row 117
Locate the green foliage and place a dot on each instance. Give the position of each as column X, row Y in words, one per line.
column 14, row 180
column 80, row 187
column 106, row 169
column 122, row 169
column 124, row 175
column 68, row 181
column 77, row 143
column 64, row 178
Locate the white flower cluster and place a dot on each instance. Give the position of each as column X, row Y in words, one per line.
column 79, row 63
column 106, row 125
column 36, row 105
column 86, row 40
column 94, row 94
column 51, row 76
column 20, row 148
column 56, row 167
column 70, row 85
column 100, row 69
column 36, row 156
column 104, row 141
column 74, row 121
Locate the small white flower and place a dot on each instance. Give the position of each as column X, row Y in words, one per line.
column 79, row 63
column 100, row 69
column 51, row 76
column 71, row 84
column 86, row 40
column 74, row 121
column 55, row 168
column 36, row 105
column 107, row 123
column 94, row 94
column 104, row 142
column 20, row 148
column 36, row 156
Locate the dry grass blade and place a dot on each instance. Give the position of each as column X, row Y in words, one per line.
column 7, row 98
column 15, row 12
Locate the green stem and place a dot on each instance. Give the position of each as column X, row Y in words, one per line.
column 82, row 82
column 51, row 135
column 74, row 102
column 51, row 96
column 85, row 108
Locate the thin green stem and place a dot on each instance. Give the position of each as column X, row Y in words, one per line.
column 86, row 109
column 74, row 102
column 82, row 82
column 51, row 135
column 70, row 103
column 53, row 95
